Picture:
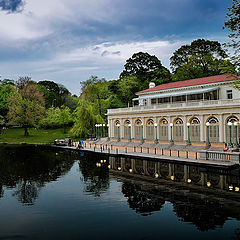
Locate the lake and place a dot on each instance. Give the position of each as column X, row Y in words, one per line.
column 49, row 193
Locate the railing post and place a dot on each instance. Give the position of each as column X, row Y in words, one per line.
column 126, row 150
column 170, row 152
column 187, row 154
column 141, row 149
column 178, row 153
column 116, row 150
column 147, row 150
column 196, row 156
column 155, row 150
column 162, row 151
column 134, row 149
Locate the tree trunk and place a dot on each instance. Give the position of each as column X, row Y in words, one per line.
column 26, row 133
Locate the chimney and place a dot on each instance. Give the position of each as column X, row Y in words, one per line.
column 152, row 85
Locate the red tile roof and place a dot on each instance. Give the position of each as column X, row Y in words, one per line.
column 192, row 82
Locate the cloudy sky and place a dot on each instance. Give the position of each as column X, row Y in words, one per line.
column 67, row 41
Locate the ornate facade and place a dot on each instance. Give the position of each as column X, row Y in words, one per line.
column 198, row 110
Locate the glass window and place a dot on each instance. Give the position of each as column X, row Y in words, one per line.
column 229, row 94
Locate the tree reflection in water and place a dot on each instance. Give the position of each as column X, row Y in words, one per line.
column 96, row 179
column 141, row 201
column 27, row 169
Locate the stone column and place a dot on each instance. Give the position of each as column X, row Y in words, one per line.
column 222, row 130
column 202, row 129
column 185, row 134
column 144, row 128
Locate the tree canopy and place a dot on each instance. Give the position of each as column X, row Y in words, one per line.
column 233, row 25
column 201, row 58
column 146, row 68
column 26, row 106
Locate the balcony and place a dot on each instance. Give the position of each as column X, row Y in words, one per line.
column 177, row 105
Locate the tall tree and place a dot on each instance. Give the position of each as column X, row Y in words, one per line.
column 146, row 68
column 197, row 58
column 233, row 25
column 95, row 90
column 85, row 121
column 26, row 106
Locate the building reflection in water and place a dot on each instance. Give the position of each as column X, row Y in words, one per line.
column 206, row 197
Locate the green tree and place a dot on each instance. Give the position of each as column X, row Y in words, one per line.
column 233, row 25
column 128, row 86
column 197, row 58
column 85, row 121
column 26, row 106
column 96, row 91
column 146, row 68
column 203, row 67
column 6, row 90
column 64, row 117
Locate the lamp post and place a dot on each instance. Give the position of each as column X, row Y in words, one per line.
column 96, row 126
column 188, row 141
column 108, row 132
column 230, row 133
column 130, row 139
column 118, row 126
column 171, row 127
column 156, row 139
column 142, row 139
column 236, row 140
column 208, row 141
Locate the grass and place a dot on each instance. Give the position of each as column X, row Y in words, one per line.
column 16, row 135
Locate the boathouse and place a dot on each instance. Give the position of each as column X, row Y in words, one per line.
column 197, row 111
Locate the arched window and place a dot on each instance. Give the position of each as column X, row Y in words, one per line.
column 116, row 130
column 178, row 130
column 213, row 130
column 194, row 129
column 178, row 121
column 127, row 129
column 163, row 130
column 138, row 129
column 150, row 129
column 231, row 119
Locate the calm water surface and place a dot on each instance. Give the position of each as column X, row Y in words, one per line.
column 52, row 194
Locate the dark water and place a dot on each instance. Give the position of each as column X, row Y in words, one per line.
column 52, row 194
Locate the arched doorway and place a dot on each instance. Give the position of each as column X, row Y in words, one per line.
column 116, row 131
column 213, row 130
column 163, row 130
column 126, row 129
column 138, row 129
column 194, row 130
column 150, row 129
column 178, row 130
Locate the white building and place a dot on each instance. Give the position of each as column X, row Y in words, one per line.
column 206, row 108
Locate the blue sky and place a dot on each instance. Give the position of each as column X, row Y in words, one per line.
column 67, row 41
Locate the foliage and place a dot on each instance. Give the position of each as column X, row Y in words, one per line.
column 233, row 25
column 85, row 120
column 203, row 66
column 202, row 58
column 95, row 91
column 56, row 95
column 146, row 68
column 26, row 106
column 199, row 48
column 6, row 90
column 57, row 117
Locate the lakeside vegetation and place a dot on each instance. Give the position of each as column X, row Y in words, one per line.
column 49, row 106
